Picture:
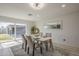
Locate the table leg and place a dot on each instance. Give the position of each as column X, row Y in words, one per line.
column 46, row 44
column 51, row 44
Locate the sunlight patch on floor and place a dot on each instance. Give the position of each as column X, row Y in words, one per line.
column 9, row 44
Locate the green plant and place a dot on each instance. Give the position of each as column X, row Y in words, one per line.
column 34, row 30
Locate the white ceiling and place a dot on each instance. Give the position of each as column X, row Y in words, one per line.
column 50, row 10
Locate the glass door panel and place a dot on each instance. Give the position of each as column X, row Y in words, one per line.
column 20, row 29
column 11, row 31
column 6, row 31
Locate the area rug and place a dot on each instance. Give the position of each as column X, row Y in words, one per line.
column 18, row 51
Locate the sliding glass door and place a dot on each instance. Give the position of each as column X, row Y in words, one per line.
column 6, row 31
column 11, row 31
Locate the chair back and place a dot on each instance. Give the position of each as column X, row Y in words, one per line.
column 48, row 34
column 29, row 41
column 24, row 39
column 41, row 34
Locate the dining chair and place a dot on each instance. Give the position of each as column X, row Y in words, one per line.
column 24, row 42
column 32, row 45
column 48, row 34
column 41, row 34
column 49, row 42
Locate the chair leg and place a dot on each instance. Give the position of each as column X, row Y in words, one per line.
column 33, row 49
column 25, row 46
column 22, row 45
column 28, row 50
column 46, row 46
column 41, row 50
column 50, row 43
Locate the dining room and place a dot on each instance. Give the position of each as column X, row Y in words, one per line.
column 39, row 29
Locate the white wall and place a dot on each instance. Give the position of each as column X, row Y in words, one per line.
column 69, row 31
column 8, row 19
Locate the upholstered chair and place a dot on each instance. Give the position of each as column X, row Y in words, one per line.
column 31, row 45
column 24, row 42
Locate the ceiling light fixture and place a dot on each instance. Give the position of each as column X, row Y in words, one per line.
column 37, row 5
column 38, row 15
column 63, row 5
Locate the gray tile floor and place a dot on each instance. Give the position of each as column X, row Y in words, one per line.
column 5, row 50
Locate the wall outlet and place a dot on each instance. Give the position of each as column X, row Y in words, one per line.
column 64, row 39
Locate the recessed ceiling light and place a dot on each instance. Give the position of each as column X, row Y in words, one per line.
column 30, row 14
column 63, row 5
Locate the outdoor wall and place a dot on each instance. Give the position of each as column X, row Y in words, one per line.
column 69, row 31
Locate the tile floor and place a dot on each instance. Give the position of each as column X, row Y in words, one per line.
column 5, row 50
